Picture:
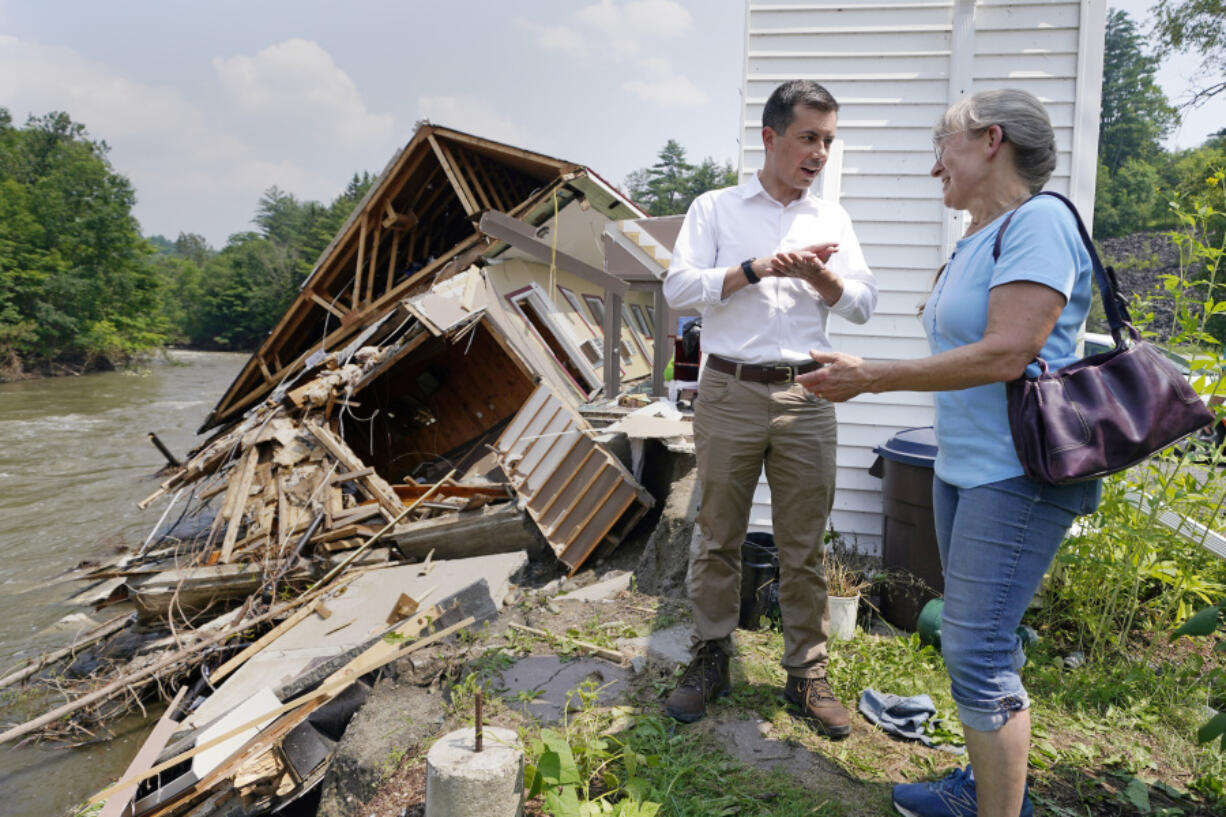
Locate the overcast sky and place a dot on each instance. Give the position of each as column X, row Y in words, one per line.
column 207, row 104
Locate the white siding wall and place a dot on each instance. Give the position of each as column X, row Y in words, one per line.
column 894, row 66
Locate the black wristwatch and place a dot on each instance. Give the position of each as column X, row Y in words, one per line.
column 750, row 275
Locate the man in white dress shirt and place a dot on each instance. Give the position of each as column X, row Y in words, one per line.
column 766, row 262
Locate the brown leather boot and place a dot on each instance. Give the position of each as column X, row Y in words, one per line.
column 705, row 679
column 817, row 703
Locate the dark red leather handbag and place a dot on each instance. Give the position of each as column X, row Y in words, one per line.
column 1106, row 412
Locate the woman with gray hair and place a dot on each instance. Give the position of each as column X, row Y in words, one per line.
column 986, row 319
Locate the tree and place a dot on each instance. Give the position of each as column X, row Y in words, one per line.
column 671, row 184
column 75, row 285
column 1196, row 27
column 1136, row 114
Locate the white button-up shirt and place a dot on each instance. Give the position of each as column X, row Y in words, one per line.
column 778, row 319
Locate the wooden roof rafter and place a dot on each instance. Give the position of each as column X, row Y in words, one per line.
column 470, row 248
column 479, row 173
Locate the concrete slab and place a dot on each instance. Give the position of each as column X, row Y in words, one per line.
column 751, row 742
column 542, row 685
column 357, row 615
column 670, row 646
column 606, row 588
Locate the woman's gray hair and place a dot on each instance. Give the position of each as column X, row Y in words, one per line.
column 1024, row 121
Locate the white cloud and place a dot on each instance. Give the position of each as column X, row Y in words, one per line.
column 628, row 24
column 189, row 172
column 668, row 91
column 297, row 84
column 556, row 37
column 472, row 115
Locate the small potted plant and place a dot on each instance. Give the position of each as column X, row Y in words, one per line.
column 844, row 584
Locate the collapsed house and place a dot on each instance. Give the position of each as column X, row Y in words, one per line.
column 410, row 428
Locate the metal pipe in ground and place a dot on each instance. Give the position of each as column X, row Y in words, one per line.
column 464, row 782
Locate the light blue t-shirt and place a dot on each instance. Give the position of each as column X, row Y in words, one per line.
column 974, row 446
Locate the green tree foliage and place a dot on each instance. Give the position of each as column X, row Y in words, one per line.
column 75, row 285
column 230, row 299
column 1196, row 27
column 672, row 183
column 1136, row 115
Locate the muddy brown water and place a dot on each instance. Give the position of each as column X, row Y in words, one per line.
column 74, row 461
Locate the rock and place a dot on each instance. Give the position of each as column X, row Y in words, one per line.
column 541, row 685
column 670, row 646
column 607, row 587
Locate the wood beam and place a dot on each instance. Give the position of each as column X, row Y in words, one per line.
column 357, row 273
column 399, row 221
column 490, row 184
column 453, row 175
column 231, row 403
column 374, row 257
column 315, row 296
column 391, row 259
column 522, row 236
column 357, row 321
column 465, row 166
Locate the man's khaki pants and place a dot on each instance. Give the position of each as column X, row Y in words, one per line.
column 738, row 426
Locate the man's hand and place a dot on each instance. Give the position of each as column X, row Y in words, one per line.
column 809, row 265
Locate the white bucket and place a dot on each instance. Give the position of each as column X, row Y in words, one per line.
column 842, row 615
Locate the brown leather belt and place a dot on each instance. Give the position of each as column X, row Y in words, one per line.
column 779, row 373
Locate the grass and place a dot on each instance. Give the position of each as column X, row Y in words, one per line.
column 1108, row 738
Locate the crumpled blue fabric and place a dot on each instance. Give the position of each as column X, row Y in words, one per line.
column 901, row 716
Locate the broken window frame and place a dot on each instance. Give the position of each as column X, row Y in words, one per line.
column 549, row 314
column 641, row 318
column 628, row 323
column 577, row 305
column 595, row 305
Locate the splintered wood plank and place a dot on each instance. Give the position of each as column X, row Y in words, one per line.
column 120, row 800
column 235, row 500
column 378, row 487
column 240, row 503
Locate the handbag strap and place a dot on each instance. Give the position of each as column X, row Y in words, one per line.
column 1108, row 286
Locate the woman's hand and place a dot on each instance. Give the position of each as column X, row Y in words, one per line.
column 840, row 378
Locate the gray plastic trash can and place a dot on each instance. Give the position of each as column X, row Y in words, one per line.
column 908, row 536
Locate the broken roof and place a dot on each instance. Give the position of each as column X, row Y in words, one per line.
column 417, row 224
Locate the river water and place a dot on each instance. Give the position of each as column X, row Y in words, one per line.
column 75, row 459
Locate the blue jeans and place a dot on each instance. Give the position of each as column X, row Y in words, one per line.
column 996, row 542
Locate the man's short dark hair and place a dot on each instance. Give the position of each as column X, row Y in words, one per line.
column 780, row 108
